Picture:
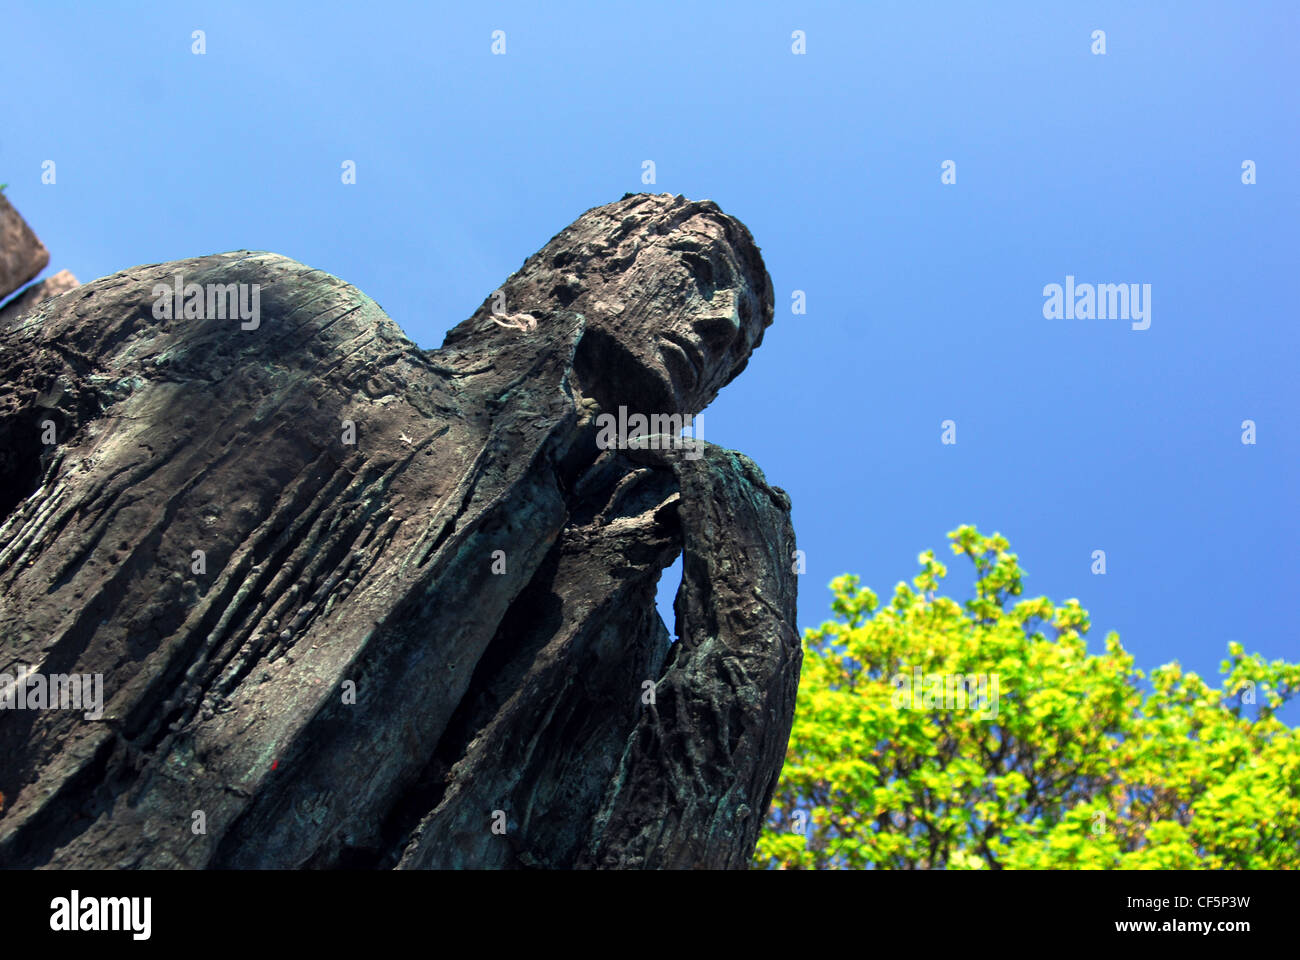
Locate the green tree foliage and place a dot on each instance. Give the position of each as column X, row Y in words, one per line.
column 896, row 762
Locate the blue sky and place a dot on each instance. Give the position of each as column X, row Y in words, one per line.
column 924, row 300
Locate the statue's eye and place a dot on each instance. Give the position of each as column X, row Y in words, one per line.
column 702, row 271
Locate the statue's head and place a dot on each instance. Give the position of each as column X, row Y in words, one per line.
column 673, row 294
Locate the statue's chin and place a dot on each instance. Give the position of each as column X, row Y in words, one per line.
column 681, row 363
column 614, row 375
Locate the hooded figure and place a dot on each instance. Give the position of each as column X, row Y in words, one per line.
column 357, row 604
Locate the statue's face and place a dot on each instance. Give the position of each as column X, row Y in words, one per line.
column 688, row 309
column 673, row 295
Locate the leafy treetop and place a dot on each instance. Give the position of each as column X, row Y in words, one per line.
column 896, row 761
